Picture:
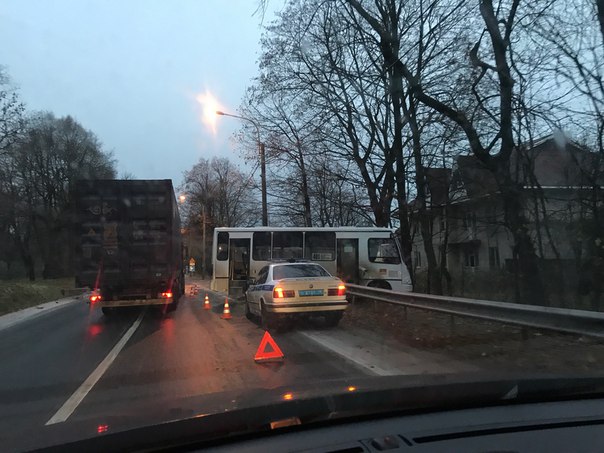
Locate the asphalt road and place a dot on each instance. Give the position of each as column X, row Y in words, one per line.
column 75, row 364
column 168, row 358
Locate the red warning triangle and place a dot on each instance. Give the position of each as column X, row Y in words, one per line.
column 262, row 355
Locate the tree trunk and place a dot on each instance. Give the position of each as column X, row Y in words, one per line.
column 403, row 216
column 26, row 258
column 305, row 195
column 531, row 288
column 600, row 5
column 444, row 249
column 401, row 190
column 28, row 261
column 425, row 218
column 382, row 217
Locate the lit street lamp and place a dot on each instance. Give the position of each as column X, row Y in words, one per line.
column 262, row 164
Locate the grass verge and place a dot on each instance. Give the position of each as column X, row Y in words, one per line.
column 18, row 294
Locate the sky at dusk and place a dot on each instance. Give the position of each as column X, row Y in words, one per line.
column 133, row 71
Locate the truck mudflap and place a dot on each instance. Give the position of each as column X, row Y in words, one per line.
column 135, row 302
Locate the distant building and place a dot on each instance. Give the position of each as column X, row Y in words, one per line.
column 468, row 217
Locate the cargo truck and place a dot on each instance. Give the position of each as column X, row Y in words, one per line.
column 128, row 244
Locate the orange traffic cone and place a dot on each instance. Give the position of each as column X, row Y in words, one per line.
column 206, row 303
column 226, row 314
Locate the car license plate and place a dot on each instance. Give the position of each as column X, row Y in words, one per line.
column 311, row 292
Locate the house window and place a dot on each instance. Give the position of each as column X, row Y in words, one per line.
column 469, row 220
column 443, row 256
column 471, row 257
column 492, row 215
column 494, row 257
column 418, row 258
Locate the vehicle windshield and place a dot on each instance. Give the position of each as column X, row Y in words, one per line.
column 383, row 251
column 431, row 171
column 299, row 271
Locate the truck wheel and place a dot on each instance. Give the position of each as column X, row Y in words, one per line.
column 172, row 307
column 107, row 311
column 332, row 319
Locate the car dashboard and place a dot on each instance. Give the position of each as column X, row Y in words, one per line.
column 567, row 426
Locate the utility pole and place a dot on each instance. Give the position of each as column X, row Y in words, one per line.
column 263, row 178
column 203, row 241
column 262, row 153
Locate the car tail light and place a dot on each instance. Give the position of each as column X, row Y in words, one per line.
column 339, row 291
column 95, row 298
column 280, row 293
column 167, row 295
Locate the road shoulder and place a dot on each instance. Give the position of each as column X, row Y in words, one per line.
column 384, row 357
column 17, row 317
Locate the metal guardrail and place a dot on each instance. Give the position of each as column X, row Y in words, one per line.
column 580, row 322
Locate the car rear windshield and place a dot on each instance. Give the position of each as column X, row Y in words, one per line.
column 299, row 270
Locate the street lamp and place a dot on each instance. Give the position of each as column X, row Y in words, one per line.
column 262, row 163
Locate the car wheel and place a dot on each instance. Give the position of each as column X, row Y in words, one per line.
column 332, row 319
column 248, row 313
column 266, row 318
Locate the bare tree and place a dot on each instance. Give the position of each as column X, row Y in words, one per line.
column 573, row 39
column 492, row 58
column 290, row 134
column 37, row 173
column 316, row 57
column 339, row 198
column 219, row 190
column 11, row 113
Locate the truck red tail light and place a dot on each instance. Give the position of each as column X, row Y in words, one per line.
column 95, row 298
column 339, row 291
column 167, row 295
column 280, row 293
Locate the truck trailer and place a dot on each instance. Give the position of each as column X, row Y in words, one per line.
column 128, row 243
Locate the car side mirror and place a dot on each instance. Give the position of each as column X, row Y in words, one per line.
column 251, row 281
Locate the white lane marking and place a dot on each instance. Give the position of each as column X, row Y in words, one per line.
column 74, row 400
column 345, row 351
